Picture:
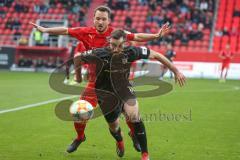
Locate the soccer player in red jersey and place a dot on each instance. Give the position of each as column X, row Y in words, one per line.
column 91, row 38
column 226, row 57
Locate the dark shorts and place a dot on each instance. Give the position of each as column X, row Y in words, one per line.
column 111, row 103
column 113, row 115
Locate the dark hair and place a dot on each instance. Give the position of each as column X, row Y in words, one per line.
column 118, row 33
column 103, row 9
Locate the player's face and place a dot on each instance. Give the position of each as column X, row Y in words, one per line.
column 117, row 45
column 101, row 21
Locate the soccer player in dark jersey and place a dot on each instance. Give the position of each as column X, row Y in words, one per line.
column 91, row 38
column 170, row 55
column 112, row 84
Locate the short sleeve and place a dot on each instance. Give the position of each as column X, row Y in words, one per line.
column 144, row 52
column 77, row 33
column 136, row 53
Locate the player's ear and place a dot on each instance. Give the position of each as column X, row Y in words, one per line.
column 109, row 21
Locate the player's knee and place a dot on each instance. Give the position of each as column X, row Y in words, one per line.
column 81, row 122
column 132, row 117
column 114, row 126
column 131, row 102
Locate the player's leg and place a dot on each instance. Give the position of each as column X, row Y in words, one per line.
column 136, row 144
column 112, row 119
column 226, row 72
column 90, row 96
column 222, row 70
column 131, row 109
column 225, row 76
column 67, row 70
column 79, row 127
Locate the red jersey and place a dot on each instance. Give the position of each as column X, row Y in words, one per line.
column 226, row 56
column 91, row 38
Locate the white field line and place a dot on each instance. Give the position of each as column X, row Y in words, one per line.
column 36, row 104
column 234, row 88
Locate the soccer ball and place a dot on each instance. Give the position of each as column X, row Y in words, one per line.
column 81, row 110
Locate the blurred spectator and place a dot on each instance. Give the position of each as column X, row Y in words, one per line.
column 170, row 54
column 17, row 35
column 236, row 12
column 152, row 5
column 39, row 63
column 40, row 7
column 195, row 34
column 225, row 31
column 187, row 17
column 218, row 33
column 29, row 62
column 111, row 4
column 59, row 61
column 184, row 8
column 76, row 8
column 37, row 37
column 172, row 5
column 128, row 21
column 21, row 61
column 184, row 39
column 23, row 41
column 2, row 12
column 203, row 5
column 25, row 62
column 143, row 2
column 19, row 7
column 82, row 14
column 51, row 63
column 9, row 23
column 2, row 3
column 6, row 3
column 128, row 25
column 45, row 39
column 52, row 3
column 16, row 23
column 122, row 5
column 154, row 42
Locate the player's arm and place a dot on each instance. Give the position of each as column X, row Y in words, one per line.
column 221, row 55
column 140, row 37
column 179, row 77
column 78, row 67
column 52, row 30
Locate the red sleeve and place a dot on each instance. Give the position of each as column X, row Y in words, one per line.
column 130, row 37
column 78, row 32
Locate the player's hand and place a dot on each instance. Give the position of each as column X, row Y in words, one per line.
column 163, row 30
column 40, row 28
column 180, row 79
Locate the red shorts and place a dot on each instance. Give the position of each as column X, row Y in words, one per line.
column 225, row 65
column 89, row 94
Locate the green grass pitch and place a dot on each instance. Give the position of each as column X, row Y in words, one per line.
column 198, row 122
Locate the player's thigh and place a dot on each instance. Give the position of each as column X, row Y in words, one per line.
column 89, row 95
column 112, row 117
column 131, row 110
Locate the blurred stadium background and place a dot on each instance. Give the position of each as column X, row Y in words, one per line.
column 200, row 31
